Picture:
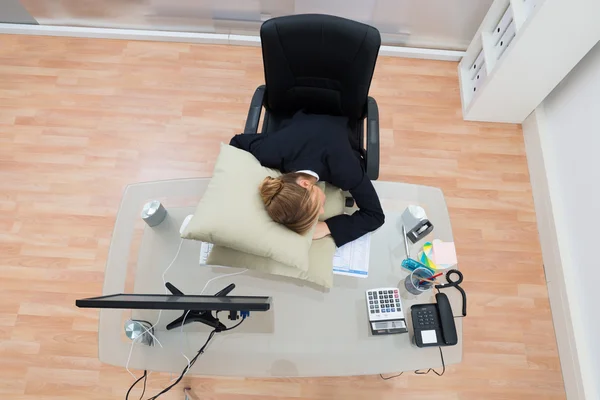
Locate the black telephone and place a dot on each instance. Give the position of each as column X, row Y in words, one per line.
column 433, row 324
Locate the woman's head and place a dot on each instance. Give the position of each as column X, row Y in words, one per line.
column 293, row 200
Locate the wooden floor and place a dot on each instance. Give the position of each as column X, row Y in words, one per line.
column 80, row 119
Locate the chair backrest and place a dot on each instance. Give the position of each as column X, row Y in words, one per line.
column 320, row 63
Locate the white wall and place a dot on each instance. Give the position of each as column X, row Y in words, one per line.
column 11, row 11
column 441, row 24
column 563, row 146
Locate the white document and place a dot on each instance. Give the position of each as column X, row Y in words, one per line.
column 205, row 249
column 352, row 259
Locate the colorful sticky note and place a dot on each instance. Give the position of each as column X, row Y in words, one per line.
column 444, row 253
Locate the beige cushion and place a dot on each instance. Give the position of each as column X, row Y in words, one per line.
column 232, row 214
column 334, row 202
column 320, row 264
column 320, row 270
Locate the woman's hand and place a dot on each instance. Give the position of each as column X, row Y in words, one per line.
column 321, row 231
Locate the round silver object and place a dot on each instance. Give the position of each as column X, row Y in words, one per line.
column 153, row 213
column 139, row 331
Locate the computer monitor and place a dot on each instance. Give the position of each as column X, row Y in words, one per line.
column 177, row 302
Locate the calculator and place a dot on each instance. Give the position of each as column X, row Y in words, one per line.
column 384, row 309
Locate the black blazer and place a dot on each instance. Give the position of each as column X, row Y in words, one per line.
column 321, row 144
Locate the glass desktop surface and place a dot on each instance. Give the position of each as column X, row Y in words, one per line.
column 308, row 331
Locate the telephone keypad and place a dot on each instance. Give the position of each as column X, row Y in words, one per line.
column 425, row 319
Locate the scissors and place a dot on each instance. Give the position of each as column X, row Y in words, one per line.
column 455, row 283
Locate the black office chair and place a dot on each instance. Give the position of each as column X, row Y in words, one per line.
column 323, row 65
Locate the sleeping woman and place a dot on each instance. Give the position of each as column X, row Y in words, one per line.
column 307, row 149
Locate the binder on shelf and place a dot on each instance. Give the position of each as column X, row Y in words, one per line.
column 478, row 80
column 505, row 40
column 528, row 7
column 530, row 43
column 503, row 24
column 477, row 64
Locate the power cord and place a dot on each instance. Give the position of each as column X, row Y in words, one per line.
column 151, row 328
column 193, row 360
column 419, row 372
column 235, row 326
column 186, row 314
column 186, row 368
column 144, row 389
column 390, row 377
column 144, row 376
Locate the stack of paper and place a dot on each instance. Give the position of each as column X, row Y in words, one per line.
column 352, row 259
column 438, row 255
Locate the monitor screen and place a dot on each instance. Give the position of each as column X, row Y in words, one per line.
column 176, row 302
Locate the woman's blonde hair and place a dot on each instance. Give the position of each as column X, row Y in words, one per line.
column 288, row 203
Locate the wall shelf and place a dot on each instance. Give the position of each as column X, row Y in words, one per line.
column 521, row 51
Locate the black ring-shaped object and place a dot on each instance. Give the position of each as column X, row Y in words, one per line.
column 455, row 283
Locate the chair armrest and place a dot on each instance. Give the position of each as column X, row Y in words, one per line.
column 255, row 110
column 372, row 144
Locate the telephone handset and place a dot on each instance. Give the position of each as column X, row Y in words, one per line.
column 433, row 324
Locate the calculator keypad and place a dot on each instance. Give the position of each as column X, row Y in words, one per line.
column 384, row 302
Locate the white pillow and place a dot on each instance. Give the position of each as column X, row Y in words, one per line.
column 320, row 255
column 232, row 214
column 320, row 268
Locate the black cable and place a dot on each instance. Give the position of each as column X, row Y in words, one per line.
column 186, row 368
column 193, row 360
column 235, row 326
column 418, row 372
column 385, row 378
column 136, row 382
column 144, row 389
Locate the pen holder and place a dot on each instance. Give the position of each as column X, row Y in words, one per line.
column 412, row 281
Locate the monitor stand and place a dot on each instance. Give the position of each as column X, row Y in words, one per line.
column 204, row 317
